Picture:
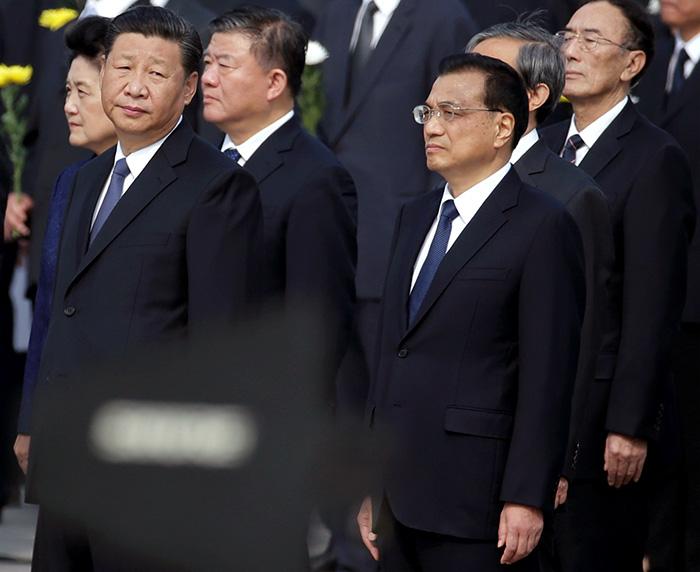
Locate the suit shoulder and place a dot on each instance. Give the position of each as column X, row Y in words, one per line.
column 647, row 133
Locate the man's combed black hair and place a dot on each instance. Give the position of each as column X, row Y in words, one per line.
column 153, row 21
column 277, row 41
column 504, row 89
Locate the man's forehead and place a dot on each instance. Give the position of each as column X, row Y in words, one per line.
column 597, row 17
column 502, row 48
column 132, row 45
column 458, row 86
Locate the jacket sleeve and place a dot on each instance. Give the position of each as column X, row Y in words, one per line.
column 657, row 224
column 550, row 310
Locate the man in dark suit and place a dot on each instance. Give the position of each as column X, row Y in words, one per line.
column 668, row 95
column 161, row 239
column 646, row 179
column 479, row 341
column 383, row 58
column 49, row 150
column 251, row 77
column 535, row 54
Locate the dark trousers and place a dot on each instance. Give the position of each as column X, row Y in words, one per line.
column 404, row 549
column 600, row 528
column 348, row 552
column 61, row 545
column 674, row 539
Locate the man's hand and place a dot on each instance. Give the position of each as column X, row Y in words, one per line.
column 562, row 492
column 624, row 459
column 519, row 531
column 22, row 444
column 364, row 521
column 16, row 215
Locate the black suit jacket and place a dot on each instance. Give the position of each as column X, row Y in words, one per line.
column 585, row 202
column 374, row 136
column 308, row 202
column 475, row 393
column 646, row 179
column 680, row 117
column 178, row 254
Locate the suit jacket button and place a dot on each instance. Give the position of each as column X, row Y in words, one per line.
column 69, row 311
column 403, row 352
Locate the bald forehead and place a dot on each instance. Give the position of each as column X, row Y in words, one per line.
column 504, row 49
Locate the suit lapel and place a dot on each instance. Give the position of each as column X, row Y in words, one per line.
column 157, row 175
column 533, row 162
column 418, row 219
column 485, row 224
column 398, row 27
column 690, row 92
column 606, row 148
column 95, row 177
column 270, row 155
column 555, row 135
column 339, row 59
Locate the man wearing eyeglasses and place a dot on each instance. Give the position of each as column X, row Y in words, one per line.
column 480, row 325
column 646, row 179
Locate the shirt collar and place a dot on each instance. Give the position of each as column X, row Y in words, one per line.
column 477, row 193
column 112, row 8
column 692, row 47
column 592, row 133
column 138, row 160
column 251, row 145
column 524, row 145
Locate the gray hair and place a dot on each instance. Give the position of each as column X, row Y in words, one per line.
column 539, row 59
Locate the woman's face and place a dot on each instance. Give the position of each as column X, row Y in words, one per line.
column 89, row 126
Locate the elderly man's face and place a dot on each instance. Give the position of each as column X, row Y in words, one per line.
column 144, row 88
column 676, row 13
column 467, row 141
column 596, row 73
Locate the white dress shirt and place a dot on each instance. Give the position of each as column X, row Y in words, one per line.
column 524, row 145
column 385, row 9
column 467, row 204
column 692, row 48
column 251, row 145
column 592, row 133
column 136, row 161
column 112, row 8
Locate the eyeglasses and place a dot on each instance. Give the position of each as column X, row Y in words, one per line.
column 422, row 113
column 588, row 41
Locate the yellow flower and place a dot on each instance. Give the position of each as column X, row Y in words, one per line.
column 57, row 18
column 563, row 99
column 15, row 75
column 19, row 75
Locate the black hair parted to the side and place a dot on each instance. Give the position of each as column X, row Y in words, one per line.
column 504, row 89
column 641, row 29
column 153, row 21
column 86, row 37
column 277, row 41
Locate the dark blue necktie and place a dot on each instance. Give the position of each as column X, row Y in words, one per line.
column 436, row 253
column 112, row 196
column 233, row 154
column 573, row 144
column 679, row 72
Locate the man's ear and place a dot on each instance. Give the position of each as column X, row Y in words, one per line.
column 537, row 97
column 505, row 128
column 277, row 83
column 191, row 87
column 635, row 63
column 102, row 61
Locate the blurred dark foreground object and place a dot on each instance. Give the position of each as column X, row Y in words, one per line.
column 202, row 456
